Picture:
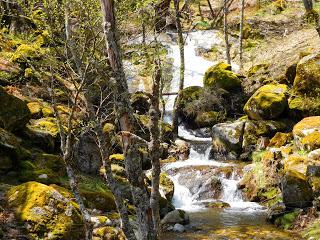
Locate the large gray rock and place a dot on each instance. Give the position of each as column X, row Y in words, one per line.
column 227, row 140
column 296, row 191
column 177, row 216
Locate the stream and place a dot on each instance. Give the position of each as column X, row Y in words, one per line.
column 193, row 178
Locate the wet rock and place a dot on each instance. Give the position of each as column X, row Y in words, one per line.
column 296, row 191
column 14, row 113
column 268, row 102
column 177, row 216
column 178, row 228
column 227, row 140
column 218, row 204
column 180, row 149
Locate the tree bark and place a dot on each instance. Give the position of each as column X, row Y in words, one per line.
column 175, row 122
column 154, row 147
column 125, row 117
column 225, row 28
column 241, row 34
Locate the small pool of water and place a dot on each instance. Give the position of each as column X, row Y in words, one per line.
column 223, row 225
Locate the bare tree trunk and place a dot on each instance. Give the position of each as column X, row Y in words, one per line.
column 66, row 148
column 175, row 122
column 211, row 9
column 114, row 186
column 125, row 117
column 154, row 147
column 225, row 28
column 241, row 34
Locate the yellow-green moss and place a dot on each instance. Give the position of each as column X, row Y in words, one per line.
column 280, row 139
column 253, row 70
column 286, row 221
column 268, row 102
column 296, row 165
column 109, row 233
column 311, row 141
column 221, row 76
column 208, row 119
column 307, row 79
column 34, row 108
column 166, row 185
column 47, row 125
column 306, row 126
column 108, row 128
column 46, row 211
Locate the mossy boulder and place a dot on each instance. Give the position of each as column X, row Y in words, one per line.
column 306, row 133
column 140, row 102
column 44, row 168
column 186, row 96
column 142, row 128
column 268, row 102
column 301, row 106
column 218, row 204
column 307, row 79
column 221, row 76
column 208, row 119
column 280, row 139
column 35, row 109
column 296, row 164
column 257, row 69
column 166, row 186
column 47, row 126
column 287, row 220
column 14, row 113
column 296, row 191
column 108, row 233
column 48, row 211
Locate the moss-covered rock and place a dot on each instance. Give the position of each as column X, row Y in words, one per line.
column 286, row 220
column 44, row 125
column 297, row 165
column 108, row 233
column 306, row 133
column 280, row 139
column 221, row 76
column 35, row 109
column 14, row 113
column 301, row 106
column 142, row 127
column 167, row 186
column 257, row 68
column 44, row 168
column 307, row 79
column 187, row 95
column 268, row 102
column 48, row 212
column 140, row 102
column 208, row 119
column 218, row 204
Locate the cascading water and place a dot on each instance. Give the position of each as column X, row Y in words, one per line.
column 243, row 220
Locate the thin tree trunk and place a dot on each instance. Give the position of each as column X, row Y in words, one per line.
column 175, row 122
column 154, row 147
column 225, row 27
column 114, row 186
column 211, row 9
column 241, row 34
column 125, row 118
